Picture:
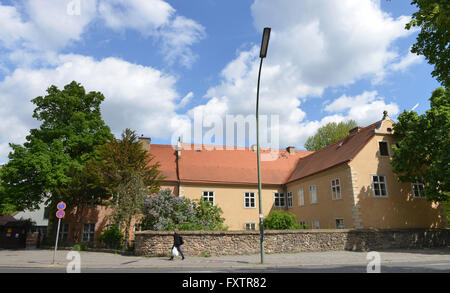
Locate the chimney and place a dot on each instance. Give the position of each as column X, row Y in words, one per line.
column 291, row 150
column 179, row 148
column 253, row 147
column 354, row 130
column 145, row 142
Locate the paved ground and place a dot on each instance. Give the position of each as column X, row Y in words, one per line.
column 426, row 260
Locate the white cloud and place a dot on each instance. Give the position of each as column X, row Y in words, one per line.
column 37, row 30
column 407, row 61
column 364, row 109
column 138, row 97
column 142, row 15
column 314, row 45
column 155, row 18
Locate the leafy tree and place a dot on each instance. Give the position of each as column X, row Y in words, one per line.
column 422, row 153
column 128, row 203
column 6, row 207
column 54, row 156
column 433, row 41
column 164, row 212
column 329, row 133
column 117, row 161
column 281, row 220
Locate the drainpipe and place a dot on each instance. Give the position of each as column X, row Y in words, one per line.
column 178, row 165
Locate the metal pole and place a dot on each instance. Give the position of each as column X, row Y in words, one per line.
column 56, row 244
column 261, row 226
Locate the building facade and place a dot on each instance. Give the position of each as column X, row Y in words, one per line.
column 347, row 184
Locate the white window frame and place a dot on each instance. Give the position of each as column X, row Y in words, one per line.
column 379, row 149
column 374, row 183
column 208, row 195
column 301, row 197
column 343, row 223
column 250, row 226
column 280, row 197
column 251, row 200
column 313, row 194
column 315, row 221
column 421, row 193
column 290, row 199
column 90, row 234
column 334, row 189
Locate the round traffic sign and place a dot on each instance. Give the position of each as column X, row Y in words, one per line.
column 61, row 205
column 60, row 214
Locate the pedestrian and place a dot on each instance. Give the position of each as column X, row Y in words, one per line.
column 177, row 242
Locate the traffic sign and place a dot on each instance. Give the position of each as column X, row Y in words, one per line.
column 61, row 205
column 60, row 214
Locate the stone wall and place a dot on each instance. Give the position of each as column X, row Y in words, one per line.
column 217, row 243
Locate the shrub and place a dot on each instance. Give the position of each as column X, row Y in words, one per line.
column 280, row 220
column 111, row 237
column 165, row 212
column 80, row 247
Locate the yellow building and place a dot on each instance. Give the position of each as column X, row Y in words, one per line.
column 348, row 184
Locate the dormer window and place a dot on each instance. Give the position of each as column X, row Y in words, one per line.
column 384, row 150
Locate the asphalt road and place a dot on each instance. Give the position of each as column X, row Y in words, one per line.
column 401, row 267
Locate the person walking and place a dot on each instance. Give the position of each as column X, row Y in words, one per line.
column 177, row 242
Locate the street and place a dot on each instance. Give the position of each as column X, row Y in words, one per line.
column 395, row 261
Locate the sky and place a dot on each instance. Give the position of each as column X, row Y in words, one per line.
column 161, row 63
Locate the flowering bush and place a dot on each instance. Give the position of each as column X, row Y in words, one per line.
column 164, row 212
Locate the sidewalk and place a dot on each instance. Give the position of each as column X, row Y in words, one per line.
column 98, row 260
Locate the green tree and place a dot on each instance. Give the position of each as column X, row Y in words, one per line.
column 117, row 161
column 128, row 204
column 54, row 156
column 6, row 207
column 124, row 171
column 329, row 133
column 422, row 152
column 433, row 41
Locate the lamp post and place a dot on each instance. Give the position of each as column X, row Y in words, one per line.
column 262, row 55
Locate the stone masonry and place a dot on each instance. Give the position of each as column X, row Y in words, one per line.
column 217, row 243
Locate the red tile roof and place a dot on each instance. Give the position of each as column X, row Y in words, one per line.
column 334, row 154
column 238, row 166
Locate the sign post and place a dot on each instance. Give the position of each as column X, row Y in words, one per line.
column 59, row 214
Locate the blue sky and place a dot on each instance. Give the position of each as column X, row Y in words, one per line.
column 159, row 62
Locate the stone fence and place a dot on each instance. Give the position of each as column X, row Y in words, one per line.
column 215, row 243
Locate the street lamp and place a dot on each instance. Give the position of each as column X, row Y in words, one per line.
column 262, row 55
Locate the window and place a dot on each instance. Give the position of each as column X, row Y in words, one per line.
column 290, row 200
column 339, row 223
column 250, row 226
column 303, row 224
column 88, row 232
column 279, row 199
column 46, row 213
column 301, row 197
column 249, row 200
column 209, row 196
column 384, row 150
column 315, row 224
column 336, row 189
column 379, row 186
column 417, row 190
column 313, row 193
column 64, row 232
